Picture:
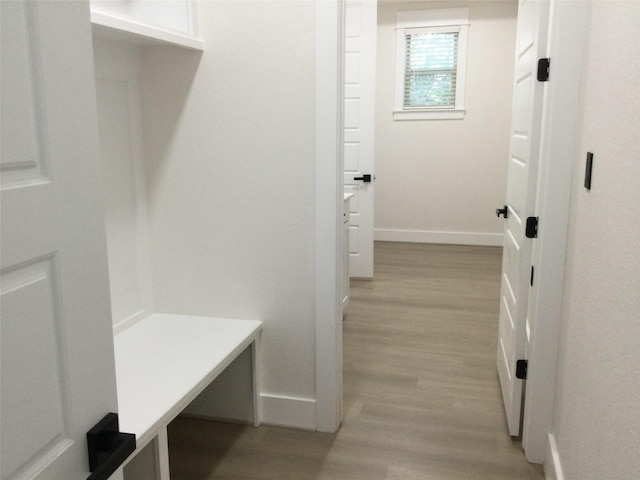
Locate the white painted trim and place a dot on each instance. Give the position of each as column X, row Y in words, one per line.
column 432, row 18
column 111, row 26
column 552, row 465
column 129, row 322
column 427, row 236
column 433, row 114
column 329, row 34
column 423, row 21
column 289, row 412
column 560, row 121
column 161, row 444
column 194, row 25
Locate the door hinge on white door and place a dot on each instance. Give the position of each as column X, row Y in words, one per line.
column 544, row 65
column 521, row 369
column 531, row 227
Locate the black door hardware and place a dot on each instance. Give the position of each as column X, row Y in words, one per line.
column 502, row 211
column 365, row 178
column 108, row 447
column 531, row 229
column 544, row 65
column 587, row 173
column 521, row 369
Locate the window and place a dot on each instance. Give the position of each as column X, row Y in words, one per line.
column 431, row 48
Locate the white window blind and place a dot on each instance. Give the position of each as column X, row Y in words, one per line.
column 431, row 58
column 430, row 72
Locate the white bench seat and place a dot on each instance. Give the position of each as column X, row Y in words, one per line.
column 164, row 361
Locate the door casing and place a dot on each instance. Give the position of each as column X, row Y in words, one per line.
column 567, row 33
column 566, row 37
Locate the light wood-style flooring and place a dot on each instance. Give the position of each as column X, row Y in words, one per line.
column 421, row 394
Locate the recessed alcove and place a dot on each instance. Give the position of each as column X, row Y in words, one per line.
column 120, row 48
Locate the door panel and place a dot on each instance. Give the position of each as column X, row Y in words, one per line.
column 359, row 73
column 58, row 376
column 521, row 191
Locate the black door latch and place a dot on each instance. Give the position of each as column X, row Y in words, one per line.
column 108, row 447
column 502, row 211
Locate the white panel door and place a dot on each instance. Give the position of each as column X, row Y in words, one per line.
column 521, row 193
column 359, row 103
column 57, row 365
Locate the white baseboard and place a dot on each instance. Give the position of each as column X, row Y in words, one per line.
column 289, row 412
column 129, row 322
column 552, row 465
column 426, row 236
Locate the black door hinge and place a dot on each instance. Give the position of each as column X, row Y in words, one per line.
column 531, row 229
column 543, row 69
column 521, row 369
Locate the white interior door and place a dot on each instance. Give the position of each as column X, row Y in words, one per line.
column 520, row 201
column 58, row 375
column 360, row 70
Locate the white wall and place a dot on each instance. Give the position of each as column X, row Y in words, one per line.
column 596, row 427
column 441, row 180
column 118, row 68
column 230, row 163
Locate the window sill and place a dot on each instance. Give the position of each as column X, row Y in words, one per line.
column 453, row 114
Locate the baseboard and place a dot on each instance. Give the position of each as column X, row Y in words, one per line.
column 129, row 322
column 552, row 465
column 289, row 412
column 426, row 236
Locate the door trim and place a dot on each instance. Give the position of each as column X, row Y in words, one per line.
column 567, row 33
column 329, row 203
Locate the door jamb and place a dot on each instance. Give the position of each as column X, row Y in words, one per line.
column 561, row 118
column 329, row 198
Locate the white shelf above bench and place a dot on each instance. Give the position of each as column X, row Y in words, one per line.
column 114, row 27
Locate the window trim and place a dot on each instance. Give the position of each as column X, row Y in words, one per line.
column 448, row 20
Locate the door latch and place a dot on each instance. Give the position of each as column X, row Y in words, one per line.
column 502, row 211
column 108, row 447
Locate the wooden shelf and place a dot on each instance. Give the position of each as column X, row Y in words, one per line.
column 118, row 28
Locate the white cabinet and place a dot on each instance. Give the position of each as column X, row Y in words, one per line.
column 345, row 249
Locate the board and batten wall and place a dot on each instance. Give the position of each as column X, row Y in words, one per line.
column 440, row 181
column 596, row 421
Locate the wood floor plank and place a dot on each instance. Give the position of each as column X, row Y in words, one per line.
column 421, row 394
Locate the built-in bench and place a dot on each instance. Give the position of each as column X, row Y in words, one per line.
column 165, row 361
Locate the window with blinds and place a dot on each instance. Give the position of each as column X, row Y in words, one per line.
column 430, row 70
column 431, row 57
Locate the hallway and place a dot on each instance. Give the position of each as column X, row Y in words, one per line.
column 421, row 393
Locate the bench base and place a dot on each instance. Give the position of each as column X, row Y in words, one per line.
column 165, row 361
